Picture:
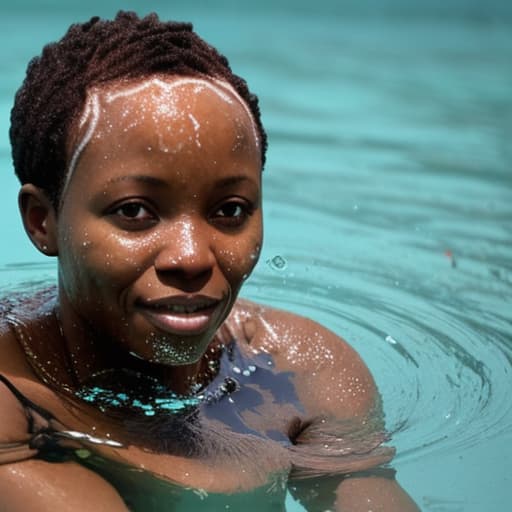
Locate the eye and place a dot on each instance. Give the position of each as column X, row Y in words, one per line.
column 232, row 214
column 133, row 215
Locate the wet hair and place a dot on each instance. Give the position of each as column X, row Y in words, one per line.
column 90, row 54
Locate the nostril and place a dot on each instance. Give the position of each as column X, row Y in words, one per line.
column 179, row 266
column 186, row 279
column 187, row 265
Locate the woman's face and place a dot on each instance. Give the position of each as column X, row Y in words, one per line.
column 160, row 221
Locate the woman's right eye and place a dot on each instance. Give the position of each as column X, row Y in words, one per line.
column 133, row 215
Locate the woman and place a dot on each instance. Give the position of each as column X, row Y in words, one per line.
column 141, row 382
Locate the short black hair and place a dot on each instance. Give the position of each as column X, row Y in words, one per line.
column 97, row 52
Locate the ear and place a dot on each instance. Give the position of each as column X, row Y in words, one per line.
column 39, row 218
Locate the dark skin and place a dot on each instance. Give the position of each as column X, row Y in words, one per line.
column 158, row 227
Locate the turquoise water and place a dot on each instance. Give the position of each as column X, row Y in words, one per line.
column 388, row 196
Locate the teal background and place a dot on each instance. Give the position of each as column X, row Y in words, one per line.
column 388, row 203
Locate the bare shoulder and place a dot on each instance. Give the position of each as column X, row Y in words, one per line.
column 17, row 383
column 12, row 359
column 329, row 374
column 12, row 365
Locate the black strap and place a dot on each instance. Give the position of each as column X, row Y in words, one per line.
column 27, row 404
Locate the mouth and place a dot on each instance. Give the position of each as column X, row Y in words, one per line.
column 182, row 315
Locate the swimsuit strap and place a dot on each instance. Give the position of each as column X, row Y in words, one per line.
column 45, row 434
column 27, row 404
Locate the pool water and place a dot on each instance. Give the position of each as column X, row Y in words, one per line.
column 388, row 204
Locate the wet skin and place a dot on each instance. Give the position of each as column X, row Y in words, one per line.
column 161, row 221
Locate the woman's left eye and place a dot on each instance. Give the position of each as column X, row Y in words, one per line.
column 232, row 214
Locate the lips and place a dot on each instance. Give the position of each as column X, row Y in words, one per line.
column 181, row 315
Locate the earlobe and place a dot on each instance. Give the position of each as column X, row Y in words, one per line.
column 39, row 218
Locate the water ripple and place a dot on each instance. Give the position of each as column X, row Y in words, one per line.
column 442, row 361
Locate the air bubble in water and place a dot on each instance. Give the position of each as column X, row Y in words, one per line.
column 277, row 263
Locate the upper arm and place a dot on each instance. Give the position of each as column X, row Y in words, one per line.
column 361, row 494
column 55, row 487
column 356, row 494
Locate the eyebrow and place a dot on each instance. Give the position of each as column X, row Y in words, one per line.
column 232, row 180
column 158, row 182
column 144, row 178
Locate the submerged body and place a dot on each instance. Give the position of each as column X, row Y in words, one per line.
column 281, row 416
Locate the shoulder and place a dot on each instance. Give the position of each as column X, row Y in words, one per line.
column 24, row 317
column 13, row 367
column 329, row 375
column 16, row 377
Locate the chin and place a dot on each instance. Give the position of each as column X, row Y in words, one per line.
column 176, row 354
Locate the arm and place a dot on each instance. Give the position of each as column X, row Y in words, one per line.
column 361, row 494
column 55, row 487
column 333, row 383
column 377, row 493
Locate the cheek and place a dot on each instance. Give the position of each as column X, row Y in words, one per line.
column 96, row 261
column 239, row 257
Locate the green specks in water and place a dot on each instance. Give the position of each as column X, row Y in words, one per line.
column 128, row 391
column 177, row 404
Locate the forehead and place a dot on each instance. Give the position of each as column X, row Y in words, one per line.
column 161, row 104
column 169, row 96
column 167, row 99
column 189, row 122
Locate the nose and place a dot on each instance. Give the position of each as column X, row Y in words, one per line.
column 185, row 252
